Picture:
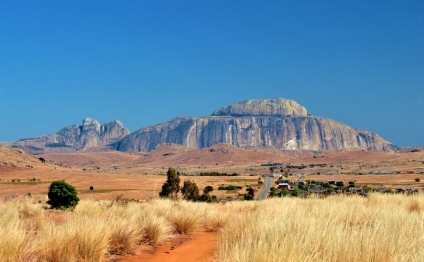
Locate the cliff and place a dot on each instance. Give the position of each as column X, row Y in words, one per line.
column 75, row 138
column 257, row 123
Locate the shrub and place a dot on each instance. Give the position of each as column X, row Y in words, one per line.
column 62, row 195
column 207, row 189
column 91, row 188
column 230, row 187
column 417, row 179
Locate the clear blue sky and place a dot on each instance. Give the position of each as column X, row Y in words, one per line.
column 146, row 62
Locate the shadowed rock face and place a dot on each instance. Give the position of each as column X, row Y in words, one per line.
column 89, row 135
column 256, row 123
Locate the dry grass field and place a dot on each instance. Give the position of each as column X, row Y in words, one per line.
column 337, row 228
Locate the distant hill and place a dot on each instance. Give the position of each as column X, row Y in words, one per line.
column 279, row 123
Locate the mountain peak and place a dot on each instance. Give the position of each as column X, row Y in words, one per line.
column 90, row 134
column 262, row 107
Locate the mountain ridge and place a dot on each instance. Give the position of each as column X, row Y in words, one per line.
column 91, row 134
column 276, row 122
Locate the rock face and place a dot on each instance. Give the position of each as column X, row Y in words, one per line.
column 262, row 107
column 256, row 123
column 75, row 138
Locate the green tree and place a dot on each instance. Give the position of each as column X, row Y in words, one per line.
column 296, row 192
column 205, row 198
column 208, row 189
column 273, row 192
column 62, row 195
column 250, row 194
column 172, row 185
column 284, row 192
column 190, row 191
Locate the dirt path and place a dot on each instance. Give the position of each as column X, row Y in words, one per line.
column 199, row 247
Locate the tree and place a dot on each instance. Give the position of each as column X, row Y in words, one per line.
column 190, row 191
column 205, row 198
column 172, row 185
column 273, row 192
column 296, row 192
column 62, row 195
column 250, row 194
column 284, row 192
column 208, row 189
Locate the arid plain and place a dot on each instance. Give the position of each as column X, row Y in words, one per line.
column 140, row 176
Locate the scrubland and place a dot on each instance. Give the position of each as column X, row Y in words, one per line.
column 340, row 228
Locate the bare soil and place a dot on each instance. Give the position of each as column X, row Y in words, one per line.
column 198, row 247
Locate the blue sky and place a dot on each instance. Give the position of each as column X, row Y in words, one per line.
column 146, row 62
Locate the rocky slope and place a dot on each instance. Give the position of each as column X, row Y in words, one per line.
column 74, row 138
column 281, row 123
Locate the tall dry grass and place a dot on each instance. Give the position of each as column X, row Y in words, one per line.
column 376, row 228
column 94, row 230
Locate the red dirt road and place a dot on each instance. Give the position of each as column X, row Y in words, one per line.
column 199, row 247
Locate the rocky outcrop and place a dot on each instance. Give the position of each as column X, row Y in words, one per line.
column 75, row 138
column 257, row 123
column 262, row 107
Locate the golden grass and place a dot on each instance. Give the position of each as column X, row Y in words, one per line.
column 376, row 228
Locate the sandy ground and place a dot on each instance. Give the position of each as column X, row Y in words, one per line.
column 198, row 247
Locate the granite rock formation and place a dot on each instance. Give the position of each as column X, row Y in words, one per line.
column 281, row 123
column 75, row 138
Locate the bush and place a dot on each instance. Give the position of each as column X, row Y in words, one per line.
column 230, row 187
column 208, row 189
column 62, row 195
column 91, row 188
column 417, row 179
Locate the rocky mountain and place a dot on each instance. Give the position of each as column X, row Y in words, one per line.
column 281, row 123
column 90, row 134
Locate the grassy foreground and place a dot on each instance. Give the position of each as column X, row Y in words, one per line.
column 376, row 228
